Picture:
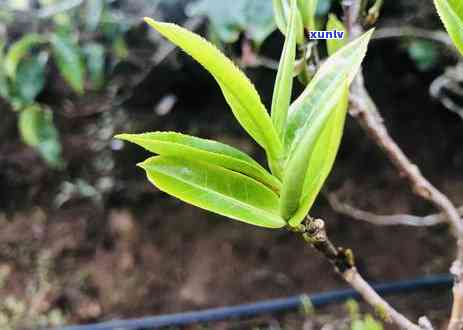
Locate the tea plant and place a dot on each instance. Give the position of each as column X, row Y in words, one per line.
column 26, row 60
column 300, row 138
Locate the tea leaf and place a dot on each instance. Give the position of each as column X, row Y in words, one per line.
column 282, row 11
column 37, row 130
column 308, row 10
column 334, row 44
column 323, row 155
column 215, row 189
column 279, row 10
column 18, row 50
column 451, row 14
column 30, row 79
column 69, row 61
column 326, row 81
column 311, row 162
column 284, row 80
column 238, row 91
column 307, row 119
column 194, row 148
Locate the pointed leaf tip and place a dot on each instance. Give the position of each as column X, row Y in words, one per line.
column 451, row 14
column 121, row 136
column 215, row 189
column 184, row 146
column 284, row 81
column 238, row 90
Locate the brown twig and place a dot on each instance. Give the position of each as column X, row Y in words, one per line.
column 313, row 231
column 365, row 111
column 386, row 220
column 353, row 277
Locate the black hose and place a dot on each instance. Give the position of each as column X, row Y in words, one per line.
column 263, row 307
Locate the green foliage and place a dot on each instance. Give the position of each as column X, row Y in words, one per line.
column 333, row 45
column 229, row 18
column 257, row 19
column 216, row 189
column 342, row 65
column 18, row 50
column 24, row 61
column 307, row 118
column 313, row 164
column 300, row 150
column 308, row 10
column 282, row 10
column 69, row 60
column 194, row 148
column 238, row 91
column 30, row 79
column 284, row 80
column 22, row 78
column 451, row 14
column 37, row 130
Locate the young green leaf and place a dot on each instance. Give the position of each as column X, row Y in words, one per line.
column 69, row 61
column 282, row 11
column 300, row 162
column 279, row 11
column 238, row 91
column 284, row 80
column 329, row 78
column 194, row 148
column 322, row 158
column 37, row 130
column 451, row 14
column 308, row 9
column 18, row 50
column 30, row 78
column 215, row 189
column 334, row 44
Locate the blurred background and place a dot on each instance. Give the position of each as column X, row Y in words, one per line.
column 84, row 237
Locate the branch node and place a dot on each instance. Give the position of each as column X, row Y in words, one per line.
column 315, row 234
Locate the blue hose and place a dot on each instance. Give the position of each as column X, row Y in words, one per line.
column 263, row 307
